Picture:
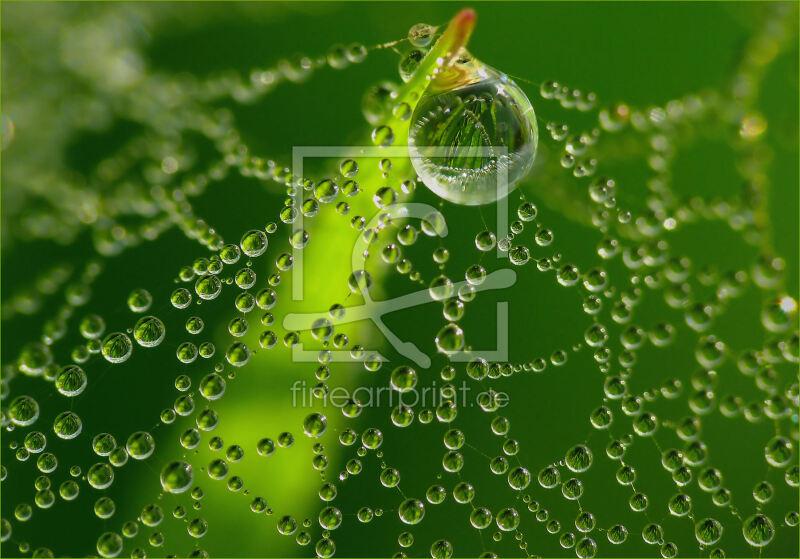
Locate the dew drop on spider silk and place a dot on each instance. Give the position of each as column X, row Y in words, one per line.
column 402, row 416
column 585, row 522
column 177, row 477
column 441, row 255
column 527, row 211
column 237, row 327
column 140, row 445
column 92, row 326
column 69, row 490
column 758, row 530
column 403, row 378
column 384, row 197
column 315, row 425
column 47, row 462
column 519, row 255
column 507, row 519
column 409, row 63
column 601, row 418
column 383, row 136
column 463, row 492
column 325, row 548
column 181, row 298
column 617, row 534
column 285, row 440
column 453, row 310
column 453, row 461
column 212, row 386
column 372, row 438
column 190, row 439
column 287, row 525
column 207, row 287
column 436, row 494
column 638, row 502
column 407, row 236
column 330, row 518
column 326, row 192
column 117, row 347
column 454, row 439
column 485, row 241
column 109, row 544
column 359, row 281
column 217, row 469
column 441, row 549
column 519, row 478
column 149, row 331
column 450, row 339
column 586, row 548
column 197, row 528
column 348, row 168
column 328, row 492
column 390, row 477
column 473, row 134
column 708, row 531
column 411, row 511
column 421, row 34
column 568, row 275
column 71, row 381
column 23, row 411
column 67, row 425
column 104, row 507
column 100, row 476
column 578, row 458
column 441, row 288
column 238, row 354
column 104, row 444
column 375, row 101
column 763, row 492
column 645, row 424
column 480, row 518
column 186, row 352
column 778, row 451
column 152, row 515
column 230, row 254
column 572, row 489
column 139, row 300
column 265, row 447
column 254, row 243
column 35, row 442
column 549, row 477
column 34, row 358
column 23, row 512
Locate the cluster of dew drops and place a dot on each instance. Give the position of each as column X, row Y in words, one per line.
column 639, row 240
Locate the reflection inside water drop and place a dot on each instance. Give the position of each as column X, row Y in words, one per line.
column 473, row 134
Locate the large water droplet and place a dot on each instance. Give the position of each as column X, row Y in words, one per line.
column 473, row 134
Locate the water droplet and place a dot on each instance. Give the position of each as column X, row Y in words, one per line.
column 473, row 134
column 177, row 477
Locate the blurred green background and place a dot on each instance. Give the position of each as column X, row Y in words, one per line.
column 641, row 53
